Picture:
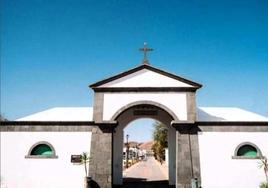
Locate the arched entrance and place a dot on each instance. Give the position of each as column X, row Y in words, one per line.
column 131, row 112
column 144, row 92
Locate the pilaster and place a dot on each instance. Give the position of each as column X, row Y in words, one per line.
column 100, row 166
column 191, row 106
column 187, row 158
column 98, row 107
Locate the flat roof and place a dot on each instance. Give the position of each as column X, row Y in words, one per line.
column 81, row 114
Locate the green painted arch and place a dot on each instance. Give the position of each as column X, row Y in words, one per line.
column 247, row 149
column 42, row 149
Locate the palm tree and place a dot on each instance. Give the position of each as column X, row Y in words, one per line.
column 264, row 164
column 84, row 160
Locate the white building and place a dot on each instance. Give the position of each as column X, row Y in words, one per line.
column 221, row 146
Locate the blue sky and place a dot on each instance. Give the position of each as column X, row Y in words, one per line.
column 140, row 130
column 51, row 50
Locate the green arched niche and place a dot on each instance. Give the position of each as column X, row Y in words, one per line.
column 42, row 149
column 247, row 151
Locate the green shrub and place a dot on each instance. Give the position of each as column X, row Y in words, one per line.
column 264, row 185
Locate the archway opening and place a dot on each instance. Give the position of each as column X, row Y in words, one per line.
column 145, row 151
column 141, row 121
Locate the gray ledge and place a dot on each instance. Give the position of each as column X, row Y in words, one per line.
column 41, row 157
column 244, row 157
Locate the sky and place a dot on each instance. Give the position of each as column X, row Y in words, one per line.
column 142, row 126
column 51, row 50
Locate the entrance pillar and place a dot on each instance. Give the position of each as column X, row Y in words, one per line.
column 100, row 166
column 187, row 160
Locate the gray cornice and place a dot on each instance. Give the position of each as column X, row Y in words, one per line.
column 149, row 67
column 145, row 89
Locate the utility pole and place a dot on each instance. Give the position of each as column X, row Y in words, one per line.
column 127, row 151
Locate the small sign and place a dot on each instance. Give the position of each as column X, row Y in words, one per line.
column 145, row 112
column 76, row 158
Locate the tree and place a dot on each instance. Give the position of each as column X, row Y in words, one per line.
column 264, row 164
column 160, row 140
column 84, row 160
column 2, row 118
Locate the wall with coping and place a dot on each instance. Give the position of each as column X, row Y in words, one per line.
column 176, row 102
column 18, row 171
column 218, row 169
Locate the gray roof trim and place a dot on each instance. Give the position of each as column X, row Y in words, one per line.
column 4, row 123
column 145, row 89
column 232, row 123
column 149, row 67
column 93, row 123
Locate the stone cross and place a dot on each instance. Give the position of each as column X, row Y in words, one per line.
column 145, row 50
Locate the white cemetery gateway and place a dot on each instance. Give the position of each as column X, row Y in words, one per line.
column 218, row 146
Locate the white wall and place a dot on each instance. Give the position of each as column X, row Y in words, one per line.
column 19, row 172
column 219, row 170
column 176, row 102
column 172, row 155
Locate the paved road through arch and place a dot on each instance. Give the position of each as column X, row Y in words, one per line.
column 146, row 174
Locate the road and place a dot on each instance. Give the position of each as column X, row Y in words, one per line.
column 146, row 174
column 149, row 170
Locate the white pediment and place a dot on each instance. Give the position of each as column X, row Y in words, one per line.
column 145, row 78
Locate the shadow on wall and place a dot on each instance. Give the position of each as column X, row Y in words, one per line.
column 202, row 115
column 143, row 183
column 93, row 184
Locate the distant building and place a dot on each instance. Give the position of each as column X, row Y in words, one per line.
column 135, row 153
column 147, row 146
